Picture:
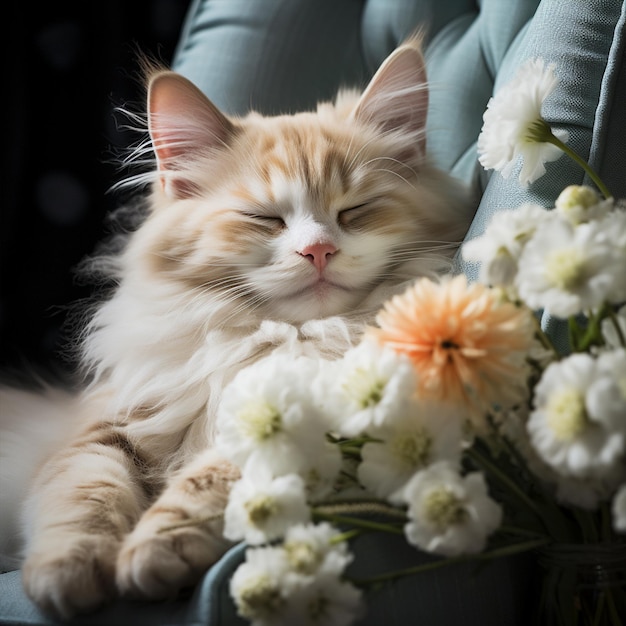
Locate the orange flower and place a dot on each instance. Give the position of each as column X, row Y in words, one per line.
column 467, row 345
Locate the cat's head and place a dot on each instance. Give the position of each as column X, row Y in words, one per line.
column 302, row 216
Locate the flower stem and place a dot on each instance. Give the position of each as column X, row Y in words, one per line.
column 546, row 342
column 352, row 451
column 511, row 550
column 555, row 141
column 365, row 524
column 586, row 525
column 522, row 532
column 617, row 326
column 356, row 507
column 613, row 612
column 490, row 467
column 606, row 529
column 346, row 536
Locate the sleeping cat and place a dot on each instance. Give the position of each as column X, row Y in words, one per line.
column 261, row 232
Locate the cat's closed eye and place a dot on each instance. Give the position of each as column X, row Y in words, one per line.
column 347, row 216
column 273, row 221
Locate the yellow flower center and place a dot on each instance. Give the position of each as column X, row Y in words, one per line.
column 444, row 509
column 566, row 414
column 260, row 509
column 413, row 449
column 364, row 389
column 259, row 420
column 564, row 269
column 302, row 556
column 259, row 598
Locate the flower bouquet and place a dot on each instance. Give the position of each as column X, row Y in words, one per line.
column 455, row 423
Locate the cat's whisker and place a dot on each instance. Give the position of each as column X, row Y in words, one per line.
column 410, row 254
column 358, row 153
column 393, row 160
column 396, row 174
column 209, row 264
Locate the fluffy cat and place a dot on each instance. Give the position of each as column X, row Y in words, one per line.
column 261, row 233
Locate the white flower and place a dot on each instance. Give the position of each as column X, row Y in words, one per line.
column 572, row 428
column 257, row 586
column 323, row 600
column 423, row 434
column 366, row 388
column 607, row 393
column 578, row 204
column 513, row 125
column 614, row 225
column 498, row 250
column 619, row 510
column 261, row 508
column 298, row 582
column 312, row 548
column 588, row 493
column 610, row 329
column 451, row 514
column 266, row 415
column 567, row 269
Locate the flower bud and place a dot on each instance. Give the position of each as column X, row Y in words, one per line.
column 579, row 203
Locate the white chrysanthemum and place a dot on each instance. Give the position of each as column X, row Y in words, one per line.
column 266, row 414
column 614, row 331
column 587, row 493
column 313, row 548
column 498, row 250
column 571, row 428
column 514, row 127
column 614, row 225
column 450, row 514
column 261, row 508
column 619, row 510
column 323, row 600
column 366, row 388
column 578, row 204
column 257, row 586
column 567, row 269
column 424, row 434
column 607, row 393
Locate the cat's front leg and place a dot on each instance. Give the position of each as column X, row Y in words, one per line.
column 180, row 536
column 84, row 501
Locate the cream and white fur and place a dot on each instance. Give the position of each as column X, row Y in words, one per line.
column 284, row 233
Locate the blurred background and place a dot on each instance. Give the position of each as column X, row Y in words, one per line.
column 69, row 65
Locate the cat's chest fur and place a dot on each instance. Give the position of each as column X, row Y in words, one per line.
column 162, row 370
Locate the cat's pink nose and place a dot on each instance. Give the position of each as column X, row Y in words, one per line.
column 319, row 254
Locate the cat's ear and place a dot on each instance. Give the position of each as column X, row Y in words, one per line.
column 396, row 98
column 182, row 123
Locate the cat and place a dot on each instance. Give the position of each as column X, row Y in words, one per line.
column 261, row 233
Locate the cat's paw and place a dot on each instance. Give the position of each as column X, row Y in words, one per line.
column 156, row 566
column 68, row 579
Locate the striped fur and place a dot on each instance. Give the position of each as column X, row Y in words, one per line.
column 219, row 273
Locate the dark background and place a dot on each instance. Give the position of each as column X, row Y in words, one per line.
column 69, row 65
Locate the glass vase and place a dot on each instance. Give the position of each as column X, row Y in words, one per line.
column 582, row 585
